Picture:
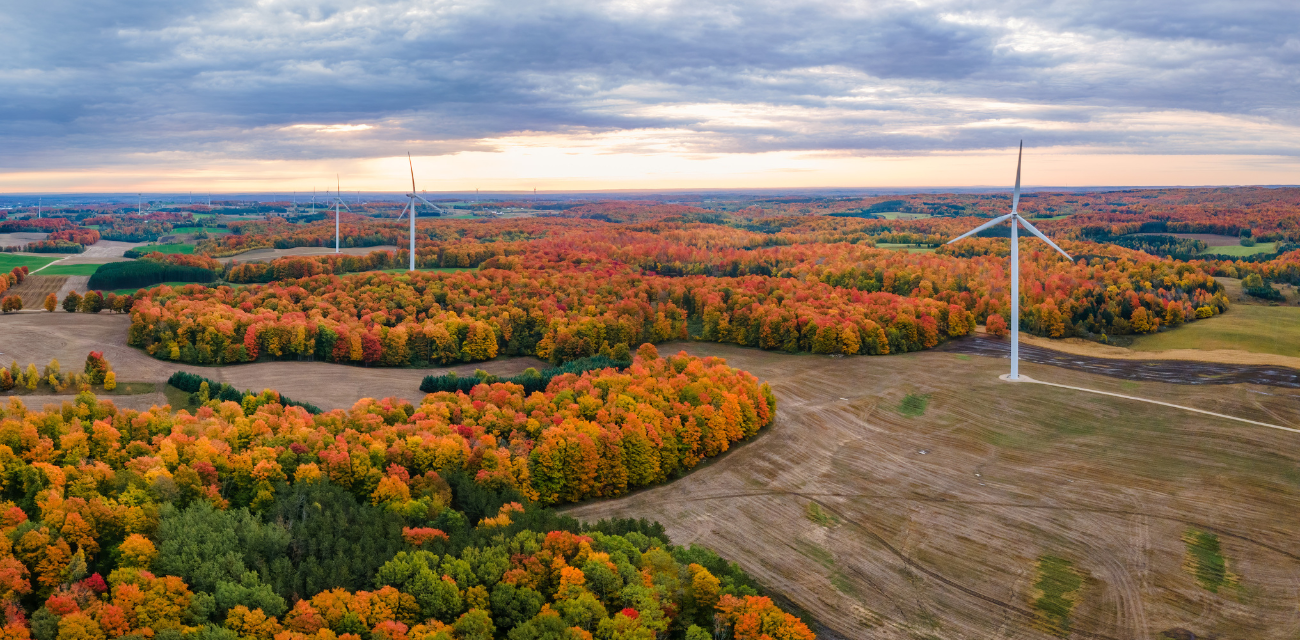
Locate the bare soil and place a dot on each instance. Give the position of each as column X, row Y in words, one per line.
column 20, row 238
column 34, row 289
column 102, row 251
column 39, row 337
column 271, row 254
column 937, row 520
column 1083, row 347
column 1082, row 355
column 80, row 284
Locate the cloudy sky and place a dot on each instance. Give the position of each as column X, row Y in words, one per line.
column 274, row 95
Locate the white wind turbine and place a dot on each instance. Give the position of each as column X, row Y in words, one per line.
column 338, row 200
column 413, row 196
column 1016, row 220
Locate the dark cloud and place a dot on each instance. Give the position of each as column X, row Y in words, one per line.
column 106, row 81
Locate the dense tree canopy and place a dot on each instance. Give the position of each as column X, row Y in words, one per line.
column 388, row 520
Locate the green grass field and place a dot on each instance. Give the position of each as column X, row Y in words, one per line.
column 1254, row 328
column 211, row 230
column 170, row 248
column 69, row 270
column 9, row 260
column 1238, row 250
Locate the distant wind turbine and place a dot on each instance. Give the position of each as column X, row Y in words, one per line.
column 412, row 197
column 338, row 200
column 1016, row 220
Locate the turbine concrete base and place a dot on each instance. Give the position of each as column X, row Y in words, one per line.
column 1006, row 377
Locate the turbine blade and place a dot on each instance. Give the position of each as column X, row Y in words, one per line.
column 427, row 202
column 1034, row 230
column 412, row 164
column 982, row 227
column 399, row 216
column 1015, row 199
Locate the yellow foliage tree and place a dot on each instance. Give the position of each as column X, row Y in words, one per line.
column 51, row 302
column 137, row 551
column 1141, row 320
column 480, row 343
column 849, row 342
column 110, row 381
column 1174, row 314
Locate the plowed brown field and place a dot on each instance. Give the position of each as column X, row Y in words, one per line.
column 932, row 524
column 34, row 289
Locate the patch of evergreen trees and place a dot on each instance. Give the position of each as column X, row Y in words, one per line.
column 531, row 379
column 143, row 273
column 222, row 391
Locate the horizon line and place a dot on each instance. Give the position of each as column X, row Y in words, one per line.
column 686, row 191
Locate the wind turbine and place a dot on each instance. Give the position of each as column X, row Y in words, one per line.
column 412, row 197
column 338, row 201
column 1016, row 220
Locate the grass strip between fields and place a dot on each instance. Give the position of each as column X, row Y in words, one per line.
column 78, row 269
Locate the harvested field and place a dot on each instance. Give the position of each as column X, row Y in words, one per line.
column 271, row 254
column 32, row 337
column 95, row 254
column 20, row 238
column 886, row 517
column 80, row 284
column 34, row 289
column 106, row 251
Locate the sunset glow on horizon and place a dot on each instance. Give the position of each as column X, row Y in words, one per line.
column 279, row 96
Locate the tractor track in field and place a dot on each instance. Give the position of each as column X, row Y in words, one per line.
column 1171, row 371
column 1005, row 505
column 946, row 581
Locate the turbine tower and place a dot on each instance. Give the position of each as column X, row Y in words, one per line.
column 413, row 196
column 1016, row 221
column 338, row 200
